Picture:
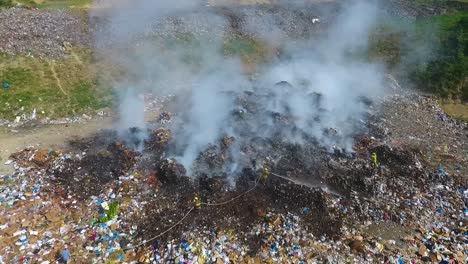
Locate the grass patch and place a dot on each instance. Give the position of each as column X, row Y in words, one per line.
column 430, row 53
column 447, row 73
column 181, row 39
column 251, row 51
column 188, row 47
column 439, row 3
column 6, row 3
column 443, row 23
column 241, row 46
column 192, row 51
column 30, row 3
column 245, row 48
column 458, row 111
column 385, row 46
column 55, row 88
column 65, row 3
column 55, row 3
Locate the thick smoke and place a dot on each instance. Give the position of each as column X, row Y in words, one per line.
column 318, row 89
column 132, row 115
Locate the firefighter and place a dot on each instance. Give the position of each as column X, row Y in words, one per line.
column 265, row 174
column 196, row 202
column 374, row 160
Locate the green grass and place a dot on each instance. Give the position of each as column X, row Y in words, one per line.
column 430, row 53
column 385, row 46
column 180, row 39
column 65, row 3
column 30, row 3
column 248, row 49
column 6, row 3
column 443, row 23
column 240, row 46
column 429, row 3
column 458, row 111
column 54, row 3
column 69, row 86
column 54, row 88
column 190, row 49
column 252, row 52
column 245, row 47
column 446, row 74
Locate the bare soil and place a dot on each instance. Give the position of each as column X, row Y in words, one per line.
column 50, row 136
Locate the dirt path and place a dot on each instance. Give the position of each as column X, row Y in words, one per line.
column 77, row 58
column 54, row 73
column 50, row 136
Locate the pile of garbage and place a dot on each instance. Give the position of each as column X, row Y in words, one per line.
column 43, row 33
column 49, row 33
column 394, row 200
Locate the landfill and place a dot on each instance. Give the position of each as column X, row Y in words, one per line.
column 45, row 33
column 400, row 198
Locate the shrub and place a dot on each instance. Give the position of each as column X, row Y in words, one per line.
column 6, row 3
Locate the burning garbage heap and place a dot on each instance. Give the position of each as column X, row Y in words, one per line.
column 244, row 171
column 308, row 203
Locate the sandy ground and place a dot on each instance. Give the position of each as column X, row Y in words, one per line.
column 50, row 136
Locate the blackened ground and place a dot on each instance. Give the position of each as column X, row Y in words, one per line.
column 93, row 143
column 308, row 163
column 87, row 176
column 173, row 201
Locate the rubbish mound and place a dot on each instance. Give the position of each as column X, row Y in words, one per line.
column 399, row 197
column 44, row 33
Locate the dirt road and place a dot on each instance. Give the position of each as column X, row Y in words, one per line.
column 50, row 136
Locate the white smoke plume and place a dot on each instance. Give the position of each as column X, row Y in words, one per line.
column 319, row 89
